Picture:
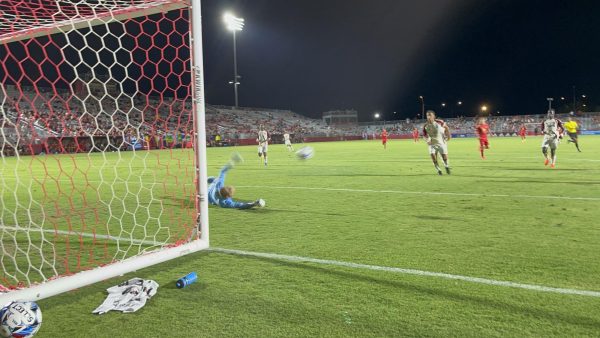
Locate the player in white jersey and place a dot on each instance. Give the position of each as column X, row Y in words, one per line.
column 263, row 143
column 436, row 133
column 553, row 131
column 288, row 143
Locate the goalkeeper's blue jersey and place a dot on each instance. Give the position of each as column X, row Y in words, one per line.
column 215, row 198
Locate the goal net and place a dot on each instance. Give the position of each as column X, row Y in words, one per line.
column 102, row 140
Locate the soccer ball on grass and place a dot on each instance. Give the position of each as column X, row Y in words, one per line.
column 20, row 319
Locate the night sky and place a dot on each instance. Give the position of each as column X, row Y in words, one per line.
column 379, row 56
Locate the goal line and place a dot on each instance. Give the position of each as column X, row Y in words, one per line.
column 478, row 280
column 301, row 259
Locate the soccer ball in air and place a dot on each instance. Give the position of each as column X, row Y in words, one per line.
column 305, row 153
column 20, row 319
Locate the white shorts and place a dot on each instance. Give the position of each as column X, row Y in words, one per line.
column 262, row 148
column 550, row 141
column 288, row 143
column 438, row 148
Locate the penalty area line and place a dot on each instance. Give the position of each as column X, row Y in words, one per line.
column 427, row 193
column 478, row 280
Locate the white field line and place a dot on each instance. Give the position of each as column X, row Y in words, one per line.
column 405, row 192
column 83, row 234
column 467, row 158
column 561, row 159
column 77, row 180
column 532, row 287
column 425, row 193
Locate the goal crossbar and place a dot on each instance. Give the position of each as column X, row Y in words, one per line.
column 36, row 29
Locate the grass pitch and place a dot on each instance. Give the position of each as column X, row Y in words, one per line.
column 505, row 218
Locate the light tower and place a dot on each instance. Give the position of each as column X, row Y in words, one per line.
column 422, row 99
column 234, row 24
column 550, row 99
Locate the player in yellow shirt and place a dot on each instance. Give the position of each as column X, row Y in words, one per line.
column 571, row 127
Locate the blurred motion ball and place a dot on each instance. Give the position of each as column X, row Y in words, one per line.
column 305, row 153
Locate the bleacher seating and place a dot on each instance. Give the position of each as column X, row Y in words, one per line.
column 32, row 117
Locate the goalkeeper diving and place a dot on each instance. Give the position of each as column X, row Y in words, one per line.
column 222, row 195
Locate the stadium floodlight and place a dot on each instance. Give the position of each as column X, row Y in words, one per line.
column 583, row 96
column 129, row 75
column 459, row 103
column 484, row 108
column 376, row 115
column 422, row 106
column 234, row 24
column 443, row 104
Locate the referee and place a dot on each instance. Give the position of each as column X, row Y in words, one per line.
column 571, row 127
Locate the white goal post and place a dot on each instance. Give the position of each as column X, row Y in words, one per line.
column 102, row 141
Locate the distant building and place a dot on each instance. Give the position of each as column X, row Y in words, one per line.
column 341, row 118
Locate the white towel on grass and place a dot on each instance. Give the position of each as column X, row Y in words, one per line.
column 128, row 296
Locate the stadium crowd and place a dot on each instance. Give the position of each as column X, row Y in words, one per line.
column 91, row 123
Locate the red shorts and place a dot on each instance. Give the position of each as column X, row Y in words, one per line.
column 384, row 140
column 483, row 142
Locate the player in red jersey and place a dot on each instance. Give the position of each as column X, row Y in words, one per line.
column 384, row 136
column 523, row 133
column 415, row 134
column 482, row 130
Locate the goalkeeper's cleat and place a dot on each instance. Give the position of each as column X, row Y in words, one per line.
column 448, row 170
column 439, row 172
column 546, row 162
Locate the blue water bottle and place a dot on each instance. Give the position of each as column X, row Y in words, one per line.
column 186, row 280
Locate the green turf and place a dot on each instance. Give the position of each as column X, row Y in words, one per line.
column 374, row 207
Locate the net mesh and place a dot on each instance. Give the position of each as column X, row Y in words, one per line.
column 97, row 161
